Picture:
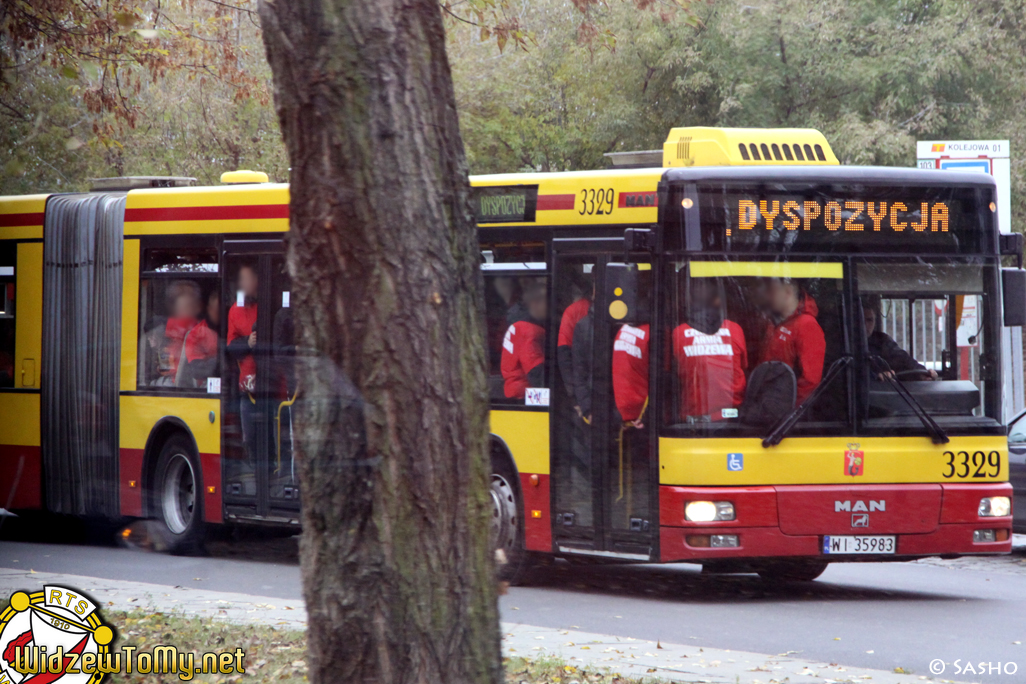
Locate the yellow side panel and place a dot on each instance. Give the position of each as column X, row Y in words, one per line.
column 20, row 413
column 21, row 217
column 140, row 414
column 209, row 196
column 526, row 433
column 821, row 460
column 572, row 198
column 260, row 207
column 28, row 329
column 130, row 316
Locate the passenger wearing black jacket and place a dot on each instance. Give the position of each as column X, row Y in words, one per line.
column 583, row 433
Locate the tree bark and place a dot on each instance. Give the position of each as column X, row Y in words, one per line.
column 398, row 574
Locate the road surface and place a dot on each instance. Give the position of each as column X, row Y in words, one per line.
column 878, row 616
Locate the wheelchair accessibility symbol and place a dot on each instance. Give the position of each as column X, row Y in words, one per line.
column 735, row 462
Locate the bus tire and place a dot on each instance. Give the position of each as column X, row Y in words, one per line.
column 792, row 570
column 506, row 522
column 178, row 496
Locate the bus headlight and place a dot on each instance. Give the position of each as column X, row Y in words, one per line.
column 708, row 511
column 995, row 507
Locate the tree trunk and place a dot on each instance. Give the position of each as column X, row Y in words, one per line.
column 398, row 574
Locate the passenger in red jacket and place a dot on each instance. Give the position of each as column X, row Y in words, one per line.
column 242, row 339
column 523, row 347
column 241, row 328
column 630, row 372
column 711, row 357
column 797, row 339
column 186, row 306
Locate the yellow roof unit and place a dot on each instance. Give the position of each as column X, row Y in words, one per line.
column 244, row 176
column 704, row 146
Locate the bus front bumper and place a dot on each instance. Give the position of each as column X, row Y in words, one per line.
column 773, row 522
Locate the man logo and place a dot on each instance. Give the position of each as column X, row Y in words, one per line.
column 860, row 506
column 57, row 622
column 860, row 519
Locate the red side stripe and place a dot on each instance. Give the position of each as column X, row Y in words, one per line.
column 252, row 211
column 10, row 220
column 555, row 202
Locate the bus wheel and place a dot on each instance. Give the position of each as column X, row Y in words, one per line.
column 507, row 531
column 792, row 571
column 178, row 496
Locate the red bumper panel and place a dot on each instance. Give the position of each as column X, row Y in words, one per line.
column 962, row 501
column 19, row 477
column 869, row 509
column 755, row 506
column 766, row 542
column 929, row 519
column 537, row 515
column 213, row 511
column 131, row 480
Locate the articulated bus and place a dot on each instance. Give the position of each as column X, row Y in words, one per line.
column 733, row 352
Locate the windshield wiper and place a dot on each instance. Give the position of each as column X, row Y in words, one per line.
column 937, row 433
column 784, row 425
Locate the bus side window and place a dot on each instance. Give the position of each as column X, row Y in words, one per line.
column 179, row 318
column 515, row 322
column 7, row 265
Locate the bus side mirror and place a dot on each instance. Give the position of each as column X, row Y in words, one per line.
column 1011, row 244
column 1013, row 288
column 638, row 240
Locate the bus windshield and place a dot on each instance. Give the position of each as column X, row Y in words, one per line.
column 750, row 340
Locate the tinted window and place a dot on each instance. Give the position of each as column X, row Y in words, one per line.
column 179, row 320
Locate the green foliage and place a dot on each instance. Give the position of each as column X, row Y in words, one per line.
column 192, row 100
column 587, row 78
column 873, row 75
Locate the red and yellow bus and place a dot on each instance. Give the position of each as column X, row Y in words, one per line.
column 816, row 353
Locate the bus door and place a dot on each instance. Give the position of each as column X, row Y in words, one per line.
column 602, row 460
column 258, row 386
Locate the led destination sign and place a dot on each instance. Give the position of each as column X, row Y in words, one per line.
column 505, row 204
column 832, row 217
column 847, row 215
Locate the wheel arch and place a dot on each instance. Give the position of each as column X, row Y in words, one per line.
column 499, row 451
column 162, row 431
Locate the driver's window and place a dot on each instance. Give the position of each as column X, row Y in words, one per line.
column 925, row 325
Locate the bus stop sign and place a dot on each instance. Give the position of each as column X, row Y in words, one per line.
column 980, row 156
